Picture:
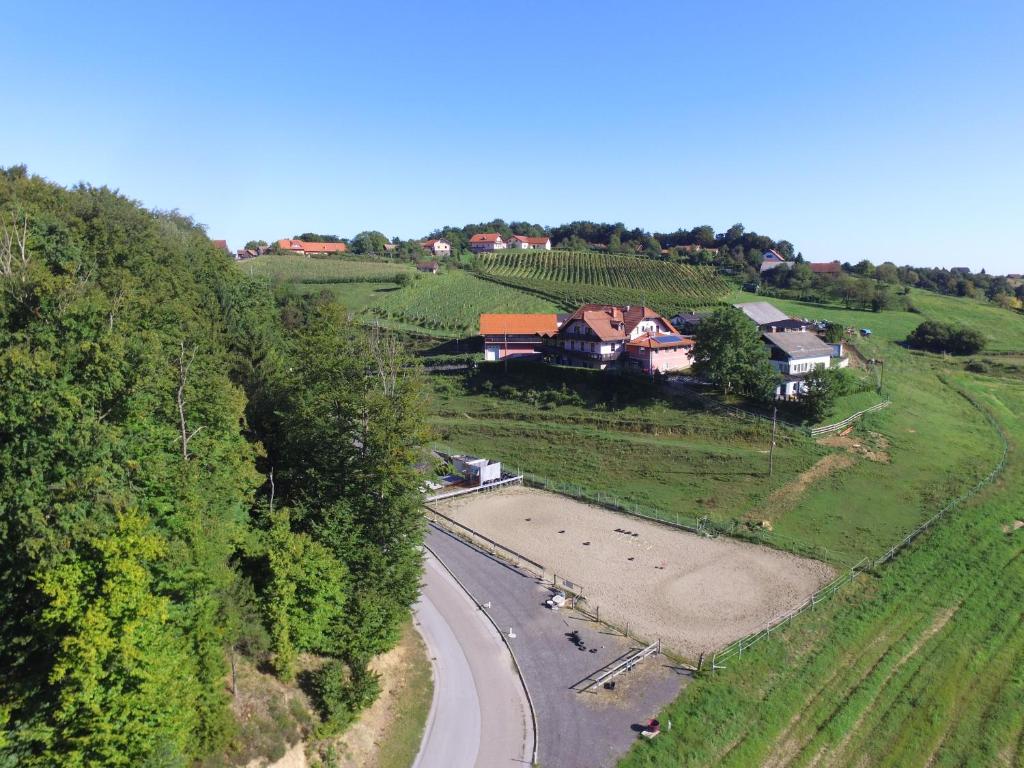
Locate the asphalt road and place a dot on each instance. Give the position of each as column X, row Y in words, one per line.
column 575, row 730
column 479, row 715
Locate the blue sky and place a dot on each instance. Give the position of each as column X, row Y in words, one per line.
column 891, row 131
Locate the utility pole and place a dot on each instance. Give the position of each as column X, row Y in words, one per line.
column 771, row 448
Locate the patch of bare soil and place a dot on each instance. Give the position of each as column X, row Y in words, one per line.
column 872, row 446
column 787, row 496
column 1016, row 525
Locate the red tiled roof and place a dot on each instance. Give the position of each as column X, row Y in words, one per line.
column 222, row 244
column 300, row 245
column 611, row 323
column 485, row 237
column 531, row 240
column 541, row 324
column 775, row 255
column 826, row 267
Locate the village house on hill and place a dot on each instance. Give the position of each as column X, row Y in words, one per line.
column 599, row 336
column 524, row 242
column 310, row 249
column 795, row 349
column 486, row 241
column 221, row 245
column 772, row 259
column 437, row 246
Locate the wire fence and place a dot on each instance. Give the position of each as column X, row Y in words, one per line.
column 737, row 647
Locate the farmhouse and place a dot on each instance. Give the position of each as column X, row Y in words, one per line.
column 687, row 322
column 437, row 246
column 309, row 249
column 771, row 259
column 427, row 266
column 530, row 243
column 486, row 241
column 222, row 245
column 762, row 313
column 596, row 335
column 507, row 336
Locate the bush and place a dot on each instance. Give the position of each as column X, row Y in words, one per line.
column 978, row 366
column 934, row 336
column 340, row 694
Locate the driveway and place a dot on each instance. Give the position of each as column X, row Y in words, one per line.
column 479, row 715
column 575, row 730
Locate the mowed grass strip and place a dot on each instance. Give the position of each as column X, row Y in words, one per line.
column 938, row 635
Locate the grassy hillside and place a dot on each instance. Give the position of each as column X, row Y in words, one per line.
column 571, row 278
column 299, row 269
column 920, row 665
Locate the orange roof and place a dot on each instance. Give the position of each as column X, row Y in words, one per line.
column 541, row 324
column 485, row 237
column 531, row 240
column 300, row 245
column 611, row 323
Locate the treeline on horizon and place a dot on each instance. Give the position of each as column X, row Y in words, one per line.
column 190, row 479
column 735, row 251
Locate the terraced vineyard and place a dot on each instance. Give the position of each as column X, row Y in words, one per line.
column 571, row 278
column 450, row 304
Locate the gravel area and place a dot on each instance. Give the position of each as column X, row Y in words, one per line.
column 696, row 594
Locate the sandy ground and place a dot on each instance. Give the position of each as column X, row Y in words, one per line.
column 694, row 593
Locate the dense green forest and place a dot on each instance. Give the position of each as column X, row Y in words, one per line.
column 186, row 480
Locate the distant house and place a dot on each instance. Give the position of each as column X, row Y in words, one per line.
column 830, row 268
column 961, row 270
column 687, row 322
column 391, row 247
column 427, row 266
column 507, row 336
column 772, row 259
column 798, row 352
column 310, row 249
column 762, row 313
column 437, row 246
column 530, row 243
column 694, row 248
column 596, row 335
column 486, row 241
column 222, row 245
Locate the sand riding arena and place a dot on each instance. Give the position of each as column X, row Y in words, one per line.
column 694, row 593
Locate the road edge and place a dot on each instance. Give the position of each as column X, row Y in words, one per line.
column 515, row 661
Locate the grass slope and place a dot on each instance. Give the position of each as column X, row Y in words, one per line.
column 918, row 666
column 290, row 268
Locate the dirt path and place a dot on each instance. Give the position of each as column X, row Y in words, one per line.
column 785, row 498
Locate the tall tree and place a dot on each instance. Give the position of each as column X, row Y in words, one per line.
column 729, row 353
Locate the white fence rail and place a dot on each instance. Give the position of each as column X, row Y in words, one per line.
column 828, row 428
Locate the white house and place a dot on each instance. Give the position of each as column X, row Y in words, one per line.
column 524, row 242
column 437, row 246
column 486, row 241
column 796, row 353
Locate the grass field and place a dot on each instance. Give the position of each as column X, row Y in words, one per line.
column 571, row 278
column 450, row 303
column 921, row 665
column 289, row 268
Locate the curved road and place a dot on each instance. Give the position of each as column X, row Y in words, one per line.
column 479, row 716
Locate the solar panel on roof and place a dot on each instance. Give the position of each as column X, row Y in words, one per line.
column 669, row 338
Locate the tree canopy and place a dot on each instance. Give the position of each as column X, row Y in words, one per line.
column 152, row 393
column 730, row 354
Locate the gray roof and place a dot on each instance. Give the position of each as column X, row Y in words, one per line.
column 799, row 344
column 761, row 312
